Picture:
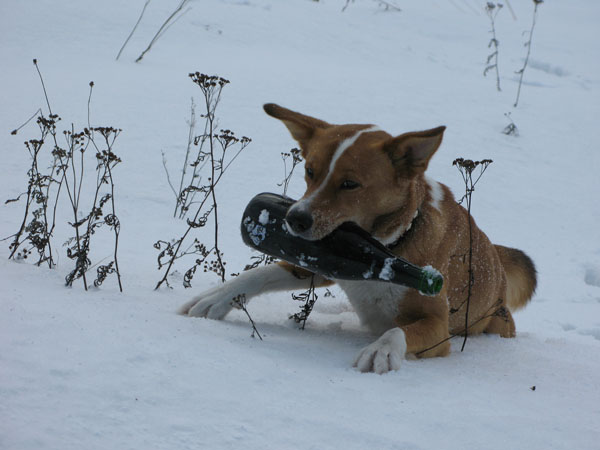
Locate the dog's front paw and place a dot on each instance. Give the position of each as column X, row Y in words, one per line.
column 212, row 304
column 383, row 355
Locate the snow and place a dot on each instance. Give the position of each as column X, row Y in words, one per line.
column 369, row 273
column 263, row 218
column 303, row 258
column 101, row 369
column 256, row 231
column 432, row 272
column 386, row 272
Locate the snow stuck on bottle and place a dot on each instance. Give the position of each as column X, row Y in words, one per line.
column 264, row 217
column 303, row 258
column 256, row 231
column 387, row 273
column 431, row 277
column 431, row 274
column 367, row 275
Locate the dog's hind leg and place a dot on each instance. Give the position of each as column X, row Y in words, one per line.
column 501, row 323
column 217, row 302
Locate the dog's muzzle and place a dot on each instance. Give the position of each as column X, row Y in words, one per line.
column 299, row 220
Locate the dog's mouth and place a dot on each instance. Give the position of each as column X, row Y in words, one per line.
column 311, row 235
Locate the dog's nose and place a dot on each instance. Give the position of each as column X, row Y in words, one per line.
column 299, row 220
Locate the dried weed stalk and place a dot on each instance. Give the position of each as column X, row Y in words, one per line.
column 492, row 10
column 240, row 302
column 214, row 150
column 67, row 169
column 78, row 246
column 309, row 297
column 495, row 310
column 467, row 167
column 35, row 230
column 190, row 173
column 510, row 129
column 164, row 27
column 133, row 30
column 296, row 159
column 527, row 44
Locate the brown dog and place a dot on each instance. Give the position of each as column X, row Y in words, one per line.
column 358, row 173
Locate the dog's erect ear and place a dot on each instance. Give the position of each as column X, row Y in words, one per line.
column 302, row 127
column 410, row 152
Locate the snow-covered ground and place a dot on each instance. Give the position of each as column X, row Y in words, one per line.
column 105, row 370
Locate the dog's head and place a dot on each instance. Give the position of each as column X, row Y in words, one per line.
column 355, row 173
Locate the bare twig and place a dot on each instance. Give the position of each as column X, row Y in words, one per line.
column 160, row 30
column 164, row 163
column 492, row 11
column 309, row 297
column 133, row 30
column 497, row 304
column 58, row 153
column 240, row 302
column 16, row 130
column 512, row 12
column 43, row 85
column 296, row 159
column 177, row 19
column 528, row 45
column 466, row 168
column 190, row 143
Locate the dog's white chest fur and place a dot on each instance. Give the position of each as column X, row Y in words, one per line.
column 376, row 303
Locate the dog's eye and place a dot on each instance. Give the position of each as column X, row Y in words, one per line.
column 310, row 173
column 349, row 184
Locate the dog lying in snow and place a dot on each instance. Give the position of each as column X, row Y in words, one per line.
column 361, row 174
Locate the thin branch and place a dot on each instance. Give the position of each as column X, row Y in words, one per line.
column 164, row 163
column 115, row 221
column 174, row 22
column 528, row 45
column 16, row 130
column 466, row 168
column 240, row 302
column 309, row 297
column 192, row 127
column 492, row 11
column 43, row 85
column 296, row 159
column 162, row 27
column 498, row 303
column 133, row 31
column 512, row 12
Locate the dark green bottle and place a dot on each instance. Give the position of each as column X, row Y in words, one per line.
column 348, row 253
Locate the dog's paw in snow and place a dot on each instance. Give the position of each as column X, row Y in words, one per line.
column 217, row 302
column 213, row 304
column 383, row 355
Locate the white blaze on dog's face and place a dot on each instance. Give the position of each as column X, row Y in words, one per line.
column 354, row 173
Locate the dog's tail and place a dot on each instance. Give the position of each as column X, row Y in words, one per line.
column 521, row 276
